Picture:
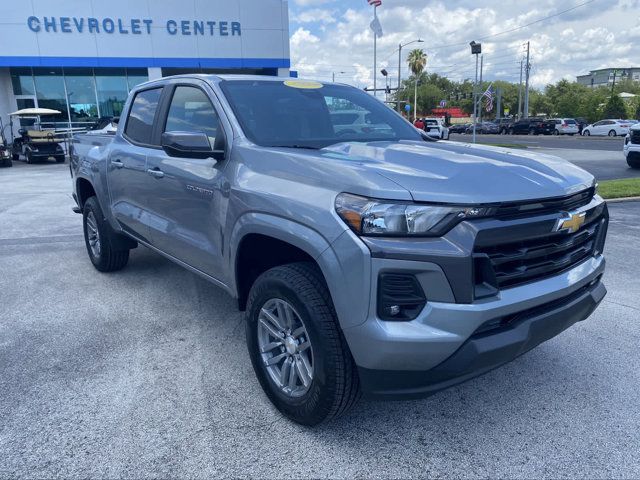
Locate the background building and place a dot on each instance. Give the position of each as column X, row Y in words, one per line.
column 83, row 56
column 604, row 76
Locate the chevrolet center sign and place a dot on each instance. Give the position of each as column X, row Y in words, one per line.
column 145, row 33
column 133, row 26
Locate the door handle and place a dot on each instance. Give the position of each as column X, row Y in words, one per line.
column 117, row 163
column 155, row 172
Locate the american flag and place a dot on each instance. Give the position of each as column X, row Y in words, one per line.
column 375, row 3
column 488, row 94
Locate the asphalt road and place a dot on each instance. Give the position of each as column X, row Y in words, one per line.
column 550, row 141
column 600, row 156
column 144, row 373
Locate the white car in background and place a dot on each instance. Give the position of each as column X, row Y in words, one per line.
column 610, row 127
column 631, row 147
column 565, row 126
column 436, row 129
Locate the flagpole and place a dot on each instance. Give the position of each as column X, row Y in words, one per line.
column 375, row 51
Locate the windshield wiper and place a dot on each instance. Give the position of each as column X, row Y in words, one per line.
column 307, row 147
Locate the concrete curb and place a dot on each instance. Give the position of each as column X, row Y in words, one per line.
column 624, row 199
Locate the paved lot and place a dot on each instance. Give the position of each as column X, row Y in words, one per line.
column 550, row 141
column 601, row 156
column 144, row 373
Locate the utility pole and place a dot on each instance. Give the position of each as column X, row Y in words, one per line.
column 613, row 85
column 476, row 49
column 526, row 85
column 520, row 93
column 498, row 101
column 375, row 52
column 480, row 92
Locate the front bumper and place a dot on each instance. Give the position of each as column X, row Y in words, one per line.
column 487, row 350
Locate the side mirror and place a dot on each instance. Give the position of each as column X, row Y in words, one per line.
column 190, row 145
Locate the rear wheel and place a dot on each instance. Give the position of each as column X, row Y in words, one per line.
column 612, row 133
column 556, row 132
column 296, row 347
column 532, row 131
column 511, row 131
column 100, row 239
column 633, row 160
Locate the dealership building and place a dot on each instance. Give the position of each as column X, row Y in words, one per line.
column 82, row 57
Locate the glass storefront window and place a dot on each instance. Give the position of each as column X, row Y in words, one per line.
column 136, row 76
column 81, row 91
column 22, row 81
column 49, row 85
column 111, row 84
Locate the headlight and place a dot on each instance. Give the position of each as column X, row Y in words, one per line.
column 368, row 216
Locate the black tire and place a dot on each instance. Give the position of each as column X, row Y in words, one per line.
column 532, row 131
column 109, row 259
column 6, row 162
column 59, row 158
column 556, row 132
column 15, row 156
column 511, row 131
column 612, row 133
column 586, row 133
column 29, row 157
column 633, row 160
column 335, row 386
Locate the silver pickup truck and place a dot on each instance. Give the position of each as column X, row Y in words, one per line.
column 368, row 260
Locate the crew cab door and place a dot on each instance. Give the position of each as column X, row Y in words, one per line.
column 127, row 177
column 189, row 198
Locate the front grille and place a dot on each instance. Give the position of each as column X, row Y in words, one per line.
column 550, row 205
column 519, row 262
column 635, row 136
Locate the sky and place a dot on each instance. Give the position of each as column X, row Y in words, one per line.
column 333, row 36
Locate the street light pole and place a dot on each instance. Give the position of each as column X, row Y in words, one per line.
column 400, row 46
column 476, row 49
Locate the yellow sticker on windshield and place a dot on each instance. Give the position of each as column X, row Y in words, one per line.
column 302, row 84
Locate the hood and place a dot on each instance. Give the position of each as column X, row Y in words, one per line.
column 462, row 173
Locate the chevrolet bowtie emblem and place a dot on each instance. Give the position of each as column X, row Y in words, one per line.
column 571, row 222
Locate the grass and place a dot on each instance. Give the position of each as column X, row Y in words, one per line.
column 627, row 187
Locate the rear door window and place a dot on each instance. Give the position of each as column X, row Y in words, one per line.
column 139, row 126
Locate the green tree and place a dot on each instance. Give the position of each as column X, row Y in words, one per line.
column 615, row 107
column 417, row 60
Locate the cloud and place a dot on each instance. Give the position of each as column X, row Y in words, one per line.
column 338, row 38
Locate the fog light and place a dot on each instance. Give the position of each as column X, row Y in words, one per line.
column 393, row 310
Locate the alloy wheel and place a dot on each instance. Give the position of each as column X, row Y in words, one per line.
column 93, row 235
column 285, row 347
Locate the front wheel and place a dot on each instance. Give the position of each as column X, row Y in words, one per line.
column 633, row 160
column 296, row 347
column 556, row 132
column 586, row 133
column 532, row 131
column 99, row 239
column 511, row 131
column 612, row 133
column 59, row 158
column 29, row 157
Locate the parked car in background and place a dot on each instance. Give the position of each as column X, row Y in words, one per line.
column 565, row 126
column 631, row 147
column 610, row 127
column 348, row 122
column 483, row 127
column 582, row 122
column 459, row 128
column 503, row 124
column 434, row 127
column 532, row 126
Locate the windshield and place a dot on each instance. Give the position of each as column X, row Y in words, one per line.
column 295, row 113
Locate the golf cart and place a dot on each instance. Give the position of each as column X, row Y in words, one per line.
column 34, row 143
column 5, row 153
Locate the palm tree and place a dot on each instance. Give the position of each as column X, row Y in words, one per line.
column 417, row 60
